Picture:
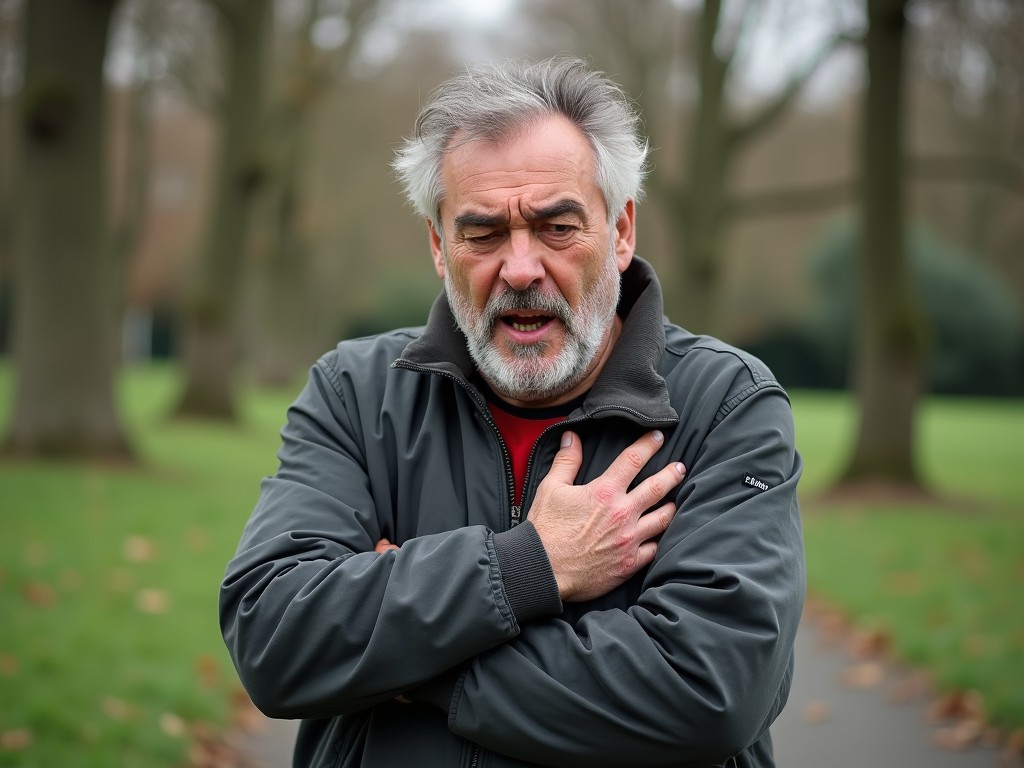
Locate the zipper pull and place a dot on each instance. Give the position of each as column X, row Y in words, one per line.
column 516, row 512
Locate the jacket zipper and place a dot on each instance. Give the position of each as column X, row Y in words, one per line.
column 515, row 511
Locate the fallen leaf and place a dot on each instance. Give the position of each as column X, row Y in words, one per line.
column 15, row 739
column 116, row 709
column 172, row 725
column 37, row 553
column 8, row 665
column 904, row 584
column 910, row 687
column 153, row 601
column 207, row 670
column 958, row 737
column 1012, row 753
column 867, row 644
column 40, row 594
column 869, row 674
column 817, row 712
column 138, row 549
column 70, row 580
column 959, row 705
column 120, row 579
column 197, row 539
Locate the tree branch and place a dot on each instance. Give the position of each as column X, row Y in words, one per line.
column 777, row 106
column 798, row 199
column 991, row 169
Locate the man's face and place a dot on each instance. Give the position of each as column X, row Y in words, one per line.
column 530, row 263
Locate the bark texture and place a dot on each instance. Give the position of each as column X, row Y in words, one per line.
column 890, row 334
column 67, row 285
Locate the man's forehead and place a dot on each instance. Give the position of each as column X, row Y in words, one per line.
column 470, row 215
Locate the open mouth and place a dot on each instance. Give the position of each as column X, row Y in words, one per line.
column 526, row 323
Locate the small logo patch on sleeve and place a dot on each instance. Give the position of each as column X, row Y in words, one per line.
column 755, row 482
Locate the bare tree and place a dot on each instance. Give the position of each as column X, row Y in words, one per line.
column 655, row 48
column 210, row 349
column 889, row 347
column 308, row 73
column 66, row 336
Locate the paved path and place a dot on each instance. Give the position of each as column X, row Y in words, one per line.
column 827, row 724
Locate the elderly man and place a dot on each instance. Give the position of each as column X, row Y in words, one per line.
column 548, row 527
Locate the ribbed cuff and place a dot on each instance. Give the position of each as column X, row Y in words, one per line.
column 437, row 691
column 526, row 573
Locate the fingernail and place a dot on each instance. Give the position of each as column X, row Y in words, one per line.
column 658, row 437
column 566, row 439
column 680, row 468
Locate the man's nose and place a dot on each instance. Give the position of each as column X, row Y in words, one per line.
column 522, row 265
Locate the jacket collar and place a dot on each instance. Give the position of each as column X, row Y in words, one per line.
column 629, row 380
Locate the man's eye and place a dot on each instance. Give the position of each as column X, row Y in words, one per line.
column 559, row 230
column 484, row 239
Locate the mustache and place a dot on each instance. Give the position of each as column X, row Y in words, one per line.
column 510, row 300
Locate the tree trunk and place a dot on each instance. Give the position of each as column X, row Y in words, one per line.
column 210, row 351
column 699, row 219
column 66, row 281
column 889, row 347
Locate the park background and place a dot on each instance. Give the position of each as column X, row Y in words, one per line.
column 195, row 202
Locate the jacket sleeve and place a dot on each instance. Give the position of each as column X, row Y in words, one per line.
column 693, row 673
column 316, row 622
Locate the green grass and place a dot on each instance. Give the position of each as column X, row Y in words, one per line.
column 95, row 680
column 108, row 586
column 944, row 581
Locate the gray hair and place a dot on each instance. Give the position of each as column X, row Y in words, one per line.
column 492, row 100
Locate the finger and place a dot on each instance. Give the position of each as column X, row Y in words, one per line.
column 568, row 459
column 655, row 522
column 627, row 465
column 645, row 554
column 383, row 546
column 658, row 486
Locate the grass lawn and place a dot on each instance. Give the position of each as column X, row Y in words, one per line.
column 109, row 647
column 110, row 651
column 945, row 583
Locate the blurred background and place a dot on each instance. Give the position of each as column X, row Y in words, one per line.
column 196, row 202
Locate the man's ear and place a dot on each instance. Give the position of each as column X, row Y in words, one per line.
column 436, row 250
column 625, row 235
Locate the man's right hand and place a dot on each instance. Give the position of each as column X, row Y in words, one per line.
column 599, row 534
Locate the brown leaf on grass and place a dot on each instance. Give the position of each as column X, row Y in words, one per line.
column 197, row 539
column 69, row 579
column 207, row 670
column 817, row 712
column 120, row 579
column 138, row 549
column 39, row 594
column 37, row 553
column 172, row 725
column 976, row 645
column 153, row 601
column 15, row 739
column 868, row 674
column 8, row 665
column 117, row 709
column 904, row 583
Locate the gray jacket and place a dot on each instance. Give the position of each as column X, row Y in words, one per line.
column 686, row 664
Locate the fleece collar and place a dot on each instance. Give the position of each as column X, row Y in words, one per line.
column 629, row 380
